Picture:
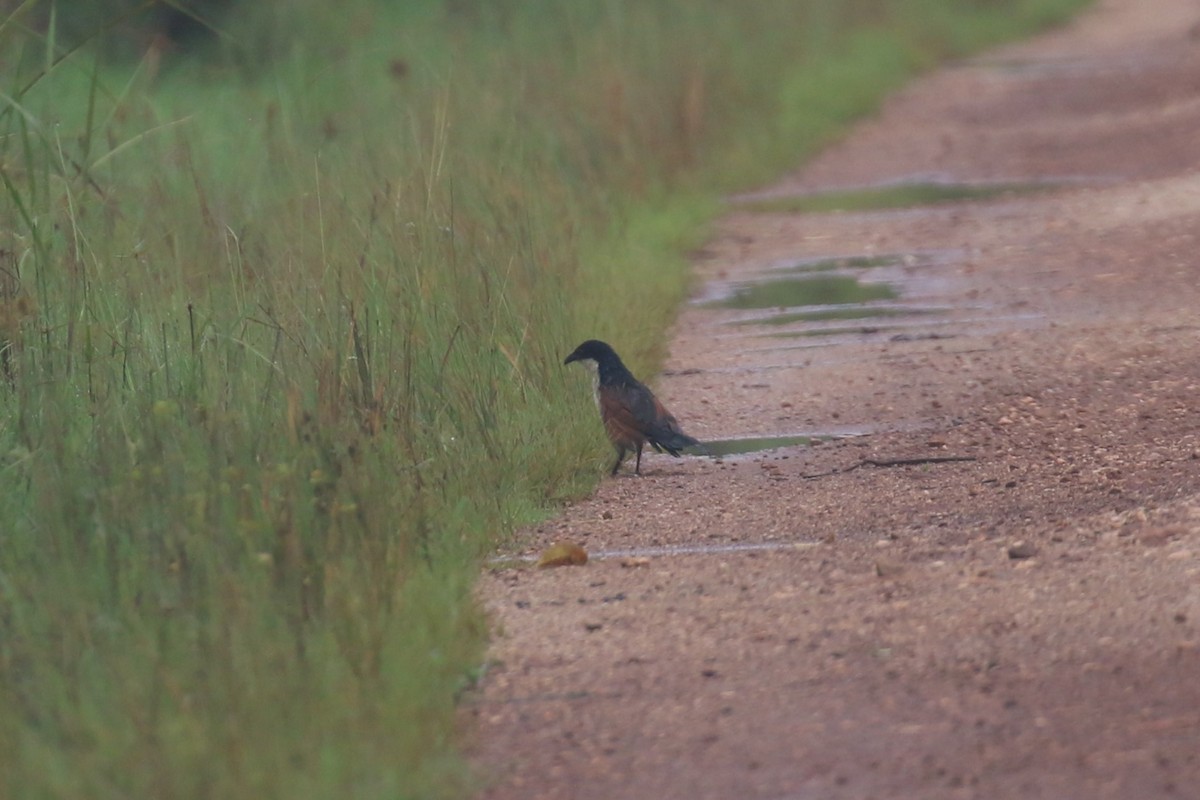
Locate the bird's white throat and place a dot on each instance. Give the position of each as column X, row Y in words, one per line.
column 594, row 368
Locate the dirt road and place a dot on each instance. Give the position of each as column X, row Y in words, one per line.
column 828, row 622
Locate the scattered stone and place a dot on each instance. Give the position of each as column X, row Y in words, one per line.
column 1160, row 535
column 888, row 569
column 1019, row 550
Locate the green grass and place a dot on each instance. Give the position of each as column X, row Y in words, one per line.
column 282, row 327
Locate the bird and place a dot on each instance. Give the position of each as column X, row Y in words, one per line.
column 633, row 417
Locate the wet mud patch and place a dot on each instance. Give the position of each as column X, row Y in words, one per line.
column 843, row 263
column 879, row 289
column 808, row 291
column 839, row 313
column 898, row 195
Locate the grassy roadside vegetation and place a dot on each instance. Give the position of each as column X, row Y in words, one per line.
column 281, row 330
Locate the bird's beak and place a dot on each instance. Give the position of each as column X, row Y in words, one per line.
column 571, row 358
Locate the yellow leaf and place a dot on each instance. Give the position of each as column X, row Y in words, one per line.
column 563, row 554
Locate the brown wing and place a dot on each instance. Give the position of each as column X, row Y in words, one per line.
column 666, row 435
column 621, row 420
column 664, row 421
column 633, row 416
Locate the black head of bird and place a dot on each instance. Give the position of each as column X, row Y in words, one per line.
column 633, row 417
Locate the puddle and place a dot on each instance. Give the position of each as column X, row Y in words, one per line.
column 839, row 330
column 847, row 312
column 897, row 328
column 821, row 290
column 1069, row 65
column 845, row 263
column 719, row 448
column 898, row 195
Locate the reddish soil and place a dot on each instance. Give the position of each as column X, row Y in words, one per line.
column 1023, row 624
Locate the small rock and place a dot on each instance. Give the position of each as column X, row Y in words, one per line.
column 888, row 569
column 1019, row 550
column 1158, row 536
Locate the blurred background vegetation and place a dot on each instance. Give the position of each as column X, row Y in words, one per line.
column 284, row 294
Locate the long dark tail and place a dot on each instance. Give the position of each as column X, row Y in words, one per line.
column 675, row 442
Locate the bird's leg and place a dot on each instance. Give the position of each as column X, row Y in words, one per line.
column 637, row 470
column 620, row 458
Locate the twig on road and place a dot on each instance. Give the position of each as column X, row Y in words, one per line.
column 891, row 462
